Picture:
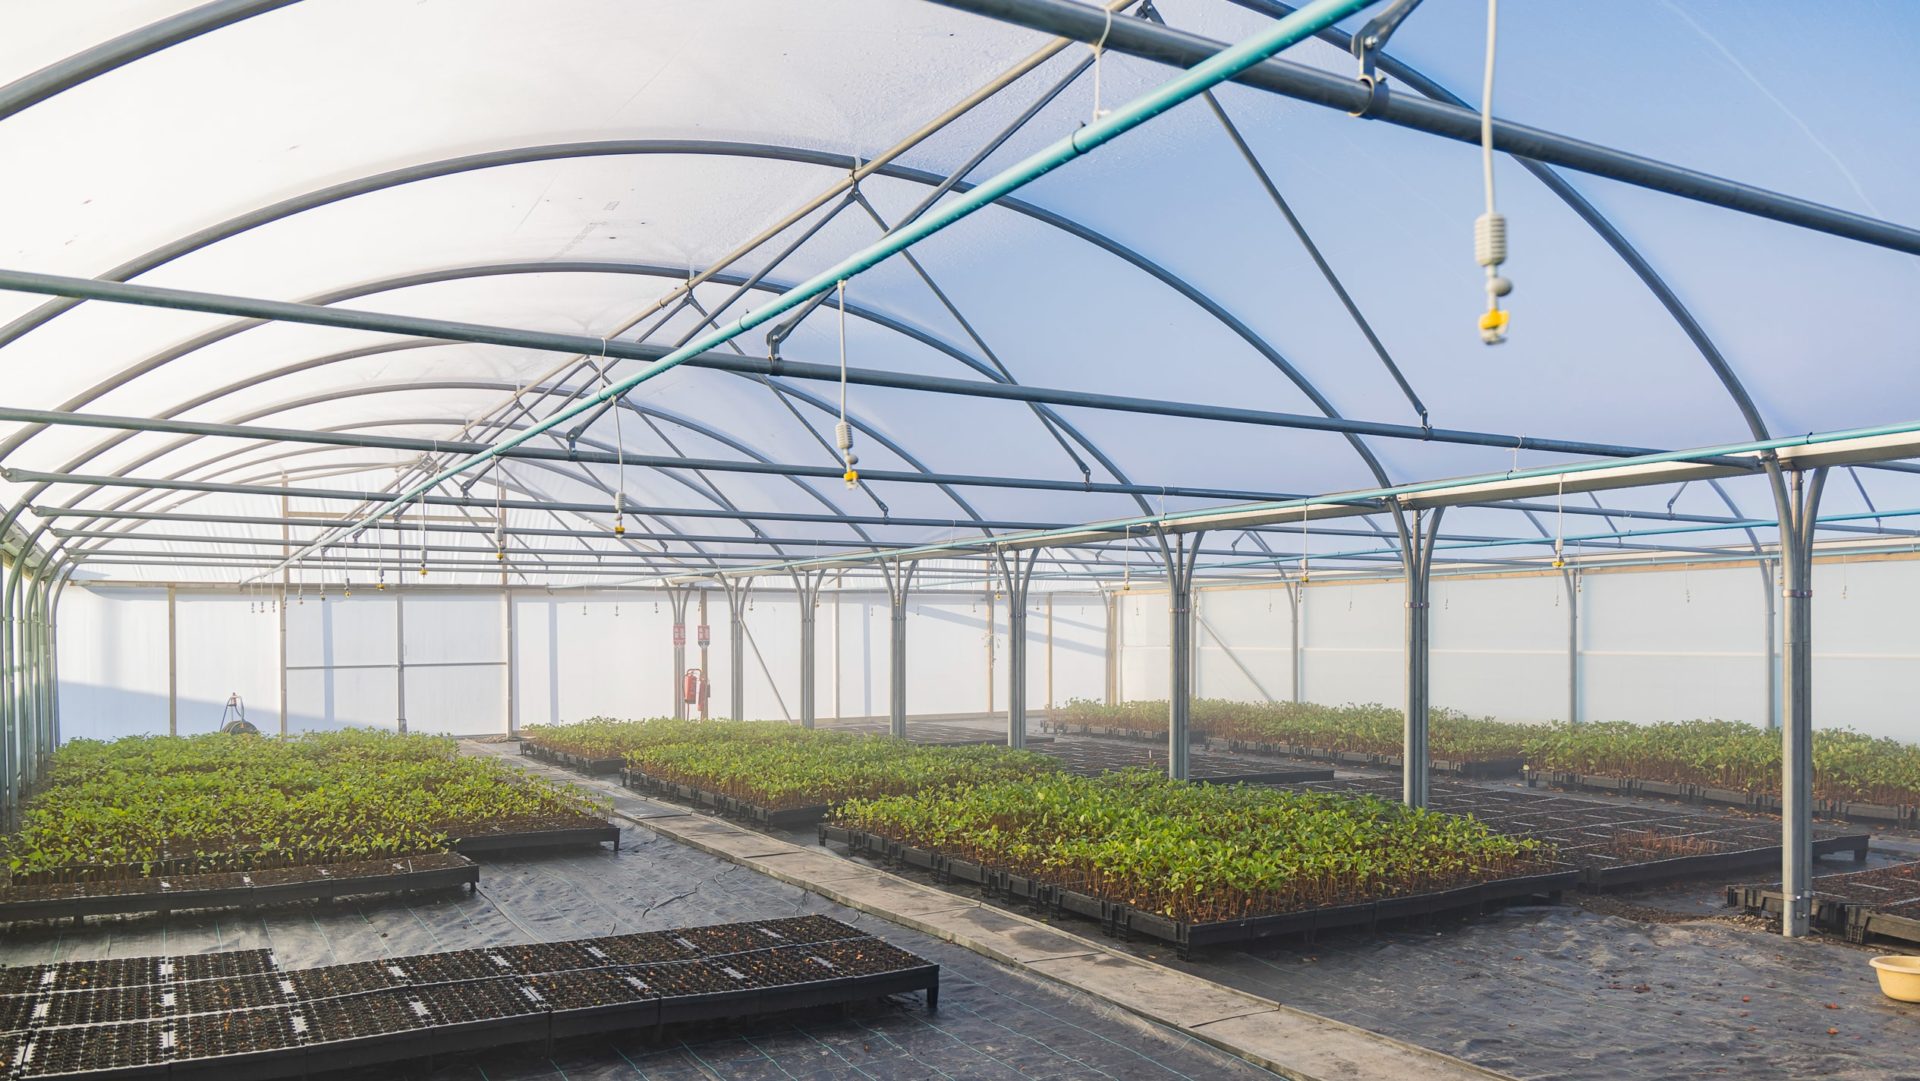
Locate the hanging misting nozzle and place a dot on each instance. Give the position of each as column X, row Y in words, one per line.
column 843, row 440
column 1490, row 250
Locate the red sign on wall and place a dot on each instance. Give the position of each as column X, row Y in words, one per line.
column 706, row 635
column 679, row 634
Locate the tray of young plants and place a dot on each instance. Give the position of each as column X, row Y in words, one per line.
column 1612, row 844
column 1360, row 735
column 1200, row 865
column 1855, row 776
column 594, row 746
column 165, row 823
column 233, row 1015
column 778, row 775
column 1881, row 903
column 1091, row 756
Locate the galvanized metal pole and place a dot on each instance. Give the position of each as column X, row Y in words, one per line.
column 899, row 580
column 400, row 660
column 512, row 649
column 1016, row 574
column 807, row 594
column 1179, row 552
column 1796, row 783
column 173, row 666
column 1570, row 578
column 1296, row 598
column 677, row 597
column 1769, row 589
column 1416, row 757
column 737, row 590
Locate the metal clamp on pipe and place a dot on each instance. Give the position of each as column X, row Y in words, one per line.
column 1366, row 45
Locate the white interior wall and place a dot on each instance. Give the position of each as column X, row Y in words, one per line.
column 1671, row 644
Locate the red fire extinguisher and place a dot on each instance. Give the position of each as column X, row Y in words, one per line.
column 694, row 688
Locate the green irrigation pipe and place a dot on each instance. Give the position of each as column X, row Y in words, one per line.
column 1368, row 498
column 1304, row 23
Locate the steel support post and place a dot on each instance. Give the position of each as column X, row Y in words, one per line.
column 400, row 660
column 1016, row 574
column 1295, row 655
column 737, row 591
column 677, row 597
column 1570, row 578
column 1179, row 552
column 806, row 587
column 899, row 580
column 1796, row 782
column 1770, row 584
column 1417, row 552
column 173, row 664
column 1111, row 603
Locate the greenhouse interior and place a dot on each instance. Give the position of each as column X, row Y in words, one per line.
column 1335, row 540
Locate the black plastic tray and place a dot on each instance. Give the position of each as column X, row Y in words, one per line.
column 170, row 900
column 571, row 837
column 731, row 807
column 1905, row 815
column 1121, row 919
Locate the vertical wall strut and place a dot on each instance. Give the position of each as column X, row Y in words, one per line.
column 1770, row 585
column 1417, row 552
column 1111, row 602
column 400, row 659
column 1016, row 574
column 806, row 587
column 677, row 597
column 173, row 663
column 737, row 591
column 1296, row 596
column 899, row 579
column 1179, row 552
column 1796, row 672
column 1571, row 579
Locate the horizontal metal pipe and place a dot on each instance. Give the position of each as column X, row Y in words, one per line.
column 598, row 457
column 1152, row 41
column 481, row 531
column 29, row 476
column 346, row 318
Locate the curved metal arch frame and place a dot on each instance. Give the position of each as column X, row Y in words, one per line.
column 599, row 148
column 688, row 423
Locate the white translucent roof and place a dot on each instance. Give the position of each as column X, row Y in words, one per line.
column 567, row 166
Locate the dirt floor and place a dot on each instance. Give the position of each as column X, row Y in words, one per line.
column 993, row 1024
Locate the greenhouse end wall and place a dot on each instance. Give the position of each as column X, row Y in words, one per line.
column 1669, row 644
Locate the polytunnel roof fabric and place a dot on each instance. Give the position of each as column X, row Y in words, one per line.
column 570, row 166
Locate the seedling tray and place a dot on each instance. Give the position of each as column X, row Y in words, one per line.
column 1120, row 919
column 1881, row 903
column 1904, row 815
column 527, row 840
column 1202, row 766
column 1613, row 845
column 593, row 767
column 730, row 806
column 235, row 890
column 290, row 1023
column 1471, row 769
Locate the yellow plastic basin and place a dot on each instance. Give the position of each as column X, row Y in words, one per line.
column 1899, row 977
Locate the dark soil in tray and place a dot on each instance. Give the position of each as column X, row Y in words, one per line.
column 234, row 1033
column 460, row 965
column 105, row 1005
column 648, row 947
column 377, row 1013
column 207, row 966
column 95, row 1047
column 119, row 972
column 482, row 1000
column 229, row 993
column 595, row 987
column 1885, row 888
column 333, row 981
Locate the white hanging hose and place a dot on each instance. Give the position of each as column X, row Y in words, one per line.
column 843, row 432
column 1560, row 526
column 1099, row 51
column 619, row 452
column 1490, row 228
column 1305, row 573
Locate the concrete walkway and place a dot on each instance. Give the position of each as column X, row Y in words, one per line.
column 1289, row 1042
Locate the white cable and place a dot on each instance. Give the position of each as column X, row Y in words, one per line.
column 1099, row 51
column 843, row 431
column 619, row 450
column 1490, row 228
column 1486, row 103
